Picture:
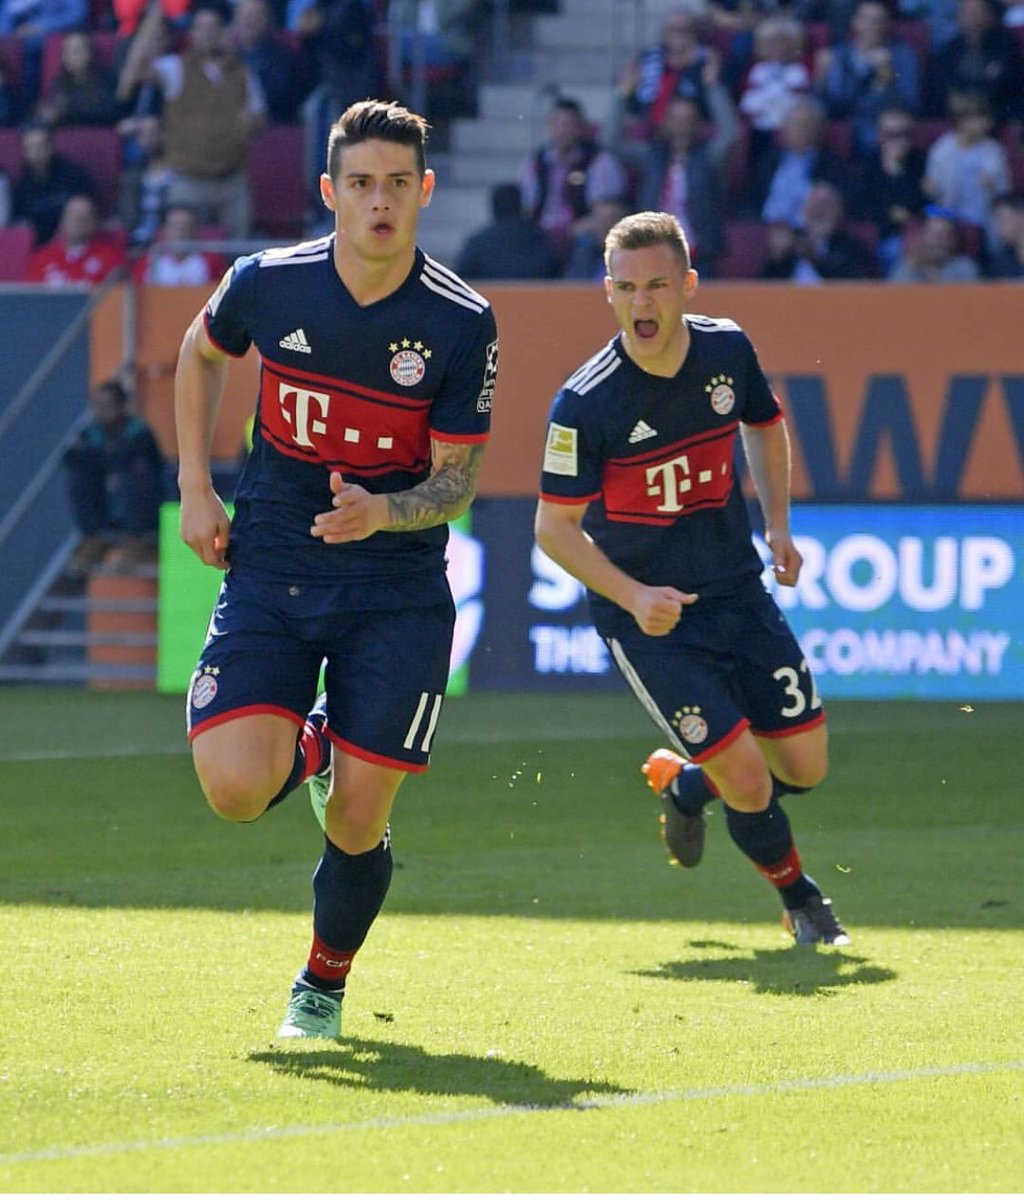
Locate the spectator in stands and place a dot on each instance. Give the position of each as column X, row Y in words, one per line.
column 890, row 190
column 799, row 159
column 115, row 482
column 967, row 168
column 130, row 13
column 511, row 247
column 775, row 81
column 820, row 248
column 938, row 15
column 32, row 22
column 684, row 172
column 442, row 31
column 930, row 253
column 79, row 252
column 213, row 107
column 865, row 72
column 1006, row 258
column 563, row 178
column 271, row 60
column 674, row 67
column 982, row 57
column 6, row 203
column 145, row 178
column 83, row 92
column 586, row 255
column 46, row 182
column 169, row 264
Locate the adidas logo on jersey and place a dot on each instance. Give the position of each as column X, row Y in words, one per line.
column 296, row 341
column 641, row 431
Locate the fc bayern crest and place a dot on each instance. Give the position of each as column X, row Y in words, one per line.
column 407, row 368
column 203, row 691
column 692, row 727
column 722, row 396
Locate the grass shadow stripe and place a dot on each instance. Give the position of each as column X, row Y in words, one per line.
column 467, row 1116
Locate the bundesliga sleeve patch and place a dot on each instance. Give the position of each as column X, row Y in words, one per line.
column 560, row 452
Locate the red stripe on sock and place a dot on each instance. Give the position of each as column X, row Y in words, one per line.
column 785, row 872
column 311, row 743
column 327, row 963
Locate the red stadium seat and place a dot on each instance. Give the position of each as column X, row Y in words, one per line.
column 277, row 173
column 10, row 153
column 1012, row 138
column 928, row 130
column 15, row 249
column 839, row 139
column 915, row 34
column 99, row 152
column 10, row 60
column 746, row 245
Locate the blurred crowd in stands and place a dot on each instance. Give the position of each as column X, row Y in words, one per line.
column 811, row 140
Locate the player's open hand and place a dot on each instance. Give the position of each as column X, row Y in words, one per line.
column 356, row 513
column 786, row 559
column 657, row 609
column 205, row 526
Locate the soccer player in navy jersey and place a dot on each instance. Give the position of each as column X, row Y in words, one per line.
column 377, row 370
column 641, row 503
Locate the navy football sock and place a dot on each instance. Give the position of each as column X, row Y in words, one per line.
column 348, row 891
column 691, row 790
column 767, row 840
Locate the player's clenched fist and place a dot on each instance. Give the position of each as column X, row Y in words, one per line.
column 657, row 609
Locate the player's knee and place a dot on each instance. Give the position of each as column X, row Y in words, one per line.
column 747, row 788
column 235, row 796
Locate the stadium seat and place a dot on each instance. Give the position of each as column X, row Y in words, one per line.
column 816, row 37
column 99, row 152
column 746, row 245
column 915, row 34
column 10, row 60
column 1013, row 143
column 10, row 153
column 277, row 172
column 927, row 130
column 839, row 139
column 15, row 250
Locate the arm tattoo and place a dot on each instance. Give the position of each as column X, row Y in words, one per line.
column 445, row 495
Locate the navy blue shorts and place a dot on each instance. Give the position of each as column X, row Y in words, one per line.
column 385, row 676
column 728, row 666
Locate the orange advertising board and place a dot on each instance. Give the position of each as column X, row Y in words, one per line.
column 891, row 392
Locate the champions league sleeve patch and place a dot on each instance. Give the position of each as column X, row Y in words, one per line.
column 483, row 401
column 560, row 455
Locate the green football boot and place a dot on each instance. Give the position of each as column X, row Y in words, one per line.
column 312, row 1014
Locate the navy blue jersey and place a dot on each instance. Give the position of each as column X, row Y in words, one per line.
column 654, row 460
column 349, row 388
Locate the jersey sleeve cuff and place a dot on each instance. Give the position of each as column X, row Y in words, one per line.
column 551, row 498
column 215, row 342
column 439, row 435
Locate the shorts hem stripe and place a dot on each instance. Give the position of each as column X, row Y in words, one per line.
column 380, row 760
column 250, row 710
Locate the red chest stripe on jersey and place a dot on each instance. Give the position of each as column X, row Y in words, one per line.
column 346, row 429
column 656, row 454
column 312, row 380
column 658, row 487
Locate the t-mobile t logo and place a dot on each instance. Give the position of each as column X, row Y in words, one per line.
column 304, row 411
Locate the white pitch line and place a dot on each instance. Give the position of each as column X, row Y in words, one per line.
column 466, row 1116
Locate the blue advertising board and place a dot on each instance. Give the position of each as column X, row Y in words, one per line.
column 893, row 601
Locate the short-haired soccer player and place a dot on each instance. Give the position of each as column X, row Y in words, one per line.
column 377, row 370
column 641, row 503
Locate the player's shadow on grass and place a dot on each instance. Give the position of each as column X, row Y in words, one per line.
column 398, row 1067
column 790, row 971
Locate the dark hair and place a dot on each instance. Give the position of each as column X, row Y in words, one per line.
column 1014, row 200
column 118, row 388
column 568, row 104
column 639, row 230
column 506, row 202
column 383, row 120
column 219, row 8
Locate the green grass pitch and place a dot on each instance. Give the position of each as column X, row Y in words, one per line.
column 545, row 1005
